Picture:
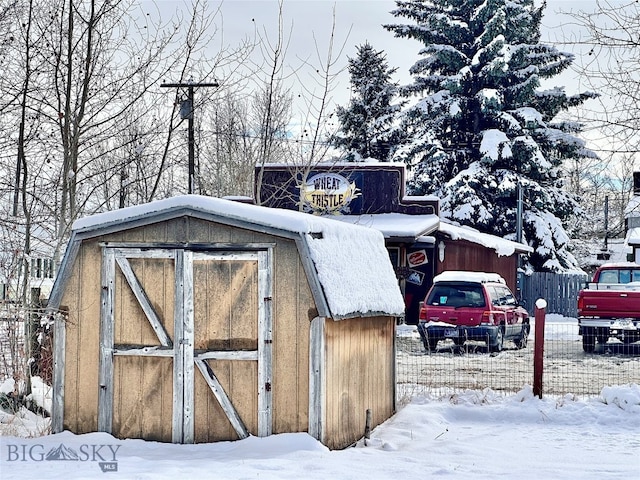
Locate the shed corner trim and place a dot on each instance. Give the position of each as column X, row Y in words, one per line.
column 317, row 378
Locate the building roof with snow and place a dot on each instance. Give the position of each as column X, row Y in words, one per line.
column 501, row 246
column 412, row 228
column 396, row 226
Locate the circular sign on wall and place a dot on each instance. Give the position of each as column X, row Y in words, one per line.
column 327, row 193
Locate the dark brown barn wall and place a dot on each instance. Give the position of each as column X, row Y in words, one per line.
column 464, row 255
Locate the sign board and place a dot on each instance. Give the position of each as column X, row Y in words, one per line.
column 327, row 193
column 418, row 257
column 339, row 189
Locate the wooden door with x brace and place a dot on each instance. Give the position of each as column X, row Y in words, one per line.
column 185, row 343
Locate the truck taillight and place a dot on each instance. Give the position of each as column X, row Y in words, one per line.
column 487, row 317
column 580, row 303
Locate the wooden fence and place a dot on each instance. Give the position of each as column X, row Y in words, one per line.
column 560, row 290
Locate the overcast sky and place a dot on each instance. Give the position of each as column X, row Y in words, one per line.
column 356, row 21
column 308, row 22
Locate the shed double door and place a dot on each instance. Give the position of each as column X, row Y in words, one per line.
column 185, row 353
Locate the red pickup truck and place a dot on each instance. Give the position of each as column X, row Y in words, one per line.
column 609, row 306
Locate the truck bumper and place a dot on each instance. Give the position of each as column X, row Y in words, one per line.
column 456, row 332
column 620, row 324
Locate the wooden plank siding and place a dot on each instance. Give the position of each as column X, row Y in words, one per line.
column 292, row 319
column 143, row 382
column 359, row 376
column 143, row 386
column 560, row 290
column 225, row 319
column 82, row 339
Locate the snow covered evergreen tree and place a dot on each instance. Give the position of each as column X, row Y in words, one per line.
column 481, row 124
column 366, row 124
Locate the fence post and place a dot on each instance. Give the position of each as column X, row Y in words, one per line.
column 538, row 353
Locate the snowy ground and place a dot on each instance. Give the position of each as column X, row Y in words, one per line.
column 479, row 434
column 474, row 434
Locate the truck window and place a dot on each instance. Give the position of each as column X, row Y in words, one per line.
column 439, row 295
column 608, row 276
column 456, row 296
column 625, row 276
column 495, row 296
column 635, row 275
column 508, row 297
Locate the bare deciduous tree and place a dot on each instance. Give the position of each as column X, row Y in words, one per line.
column 607, row 48
column 610, row 63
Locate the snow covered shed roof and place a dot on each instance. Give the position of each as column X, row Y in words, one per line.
column 501, row 246
column 348, row 263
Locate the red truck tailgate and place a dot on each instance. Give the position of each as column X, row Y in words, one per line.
column 616, row 303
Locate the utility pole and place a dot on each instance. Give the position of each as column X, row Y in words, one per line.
column 186, row 111
column 606, row 222
column 519, row 215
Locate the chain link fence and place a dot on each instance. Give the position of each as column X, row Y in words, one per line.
column 567, row 369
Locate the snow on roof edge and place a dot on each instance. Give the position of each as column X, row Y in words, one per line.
column 228, row 208
column 502, row 246
column 393, row 225
column 633, row 236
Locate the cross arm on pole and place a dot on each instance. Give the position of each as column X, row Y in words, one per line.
column 190, row 85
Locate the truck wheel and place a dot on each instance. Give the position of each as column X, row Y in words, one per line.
column 499, row 342
column 602, row 335
column 588, row 340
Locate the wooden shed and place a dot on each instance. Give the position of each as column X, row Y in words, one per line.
column 197, row 319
